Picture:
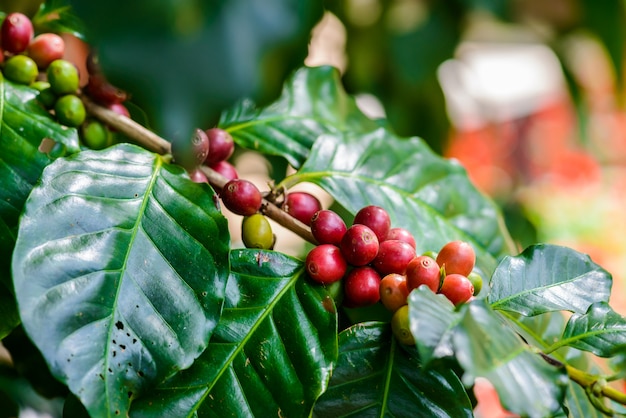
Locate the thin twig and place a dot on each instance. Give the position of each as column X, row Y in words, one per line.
column 155, row 143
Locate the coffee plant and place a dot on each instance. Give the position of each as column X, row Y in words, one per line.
column 122, row 294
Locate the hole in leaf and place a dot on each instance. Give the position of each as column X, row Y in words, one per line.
column 119, row 325
column 46, row 145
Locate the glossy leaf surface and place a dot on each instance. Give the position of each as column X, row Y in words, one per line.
column 58, row 17
column 271, row 354
column 548, row 278
column 525, row 382
column 313, row 102
column 600, row 330
column 376, row 376
column 430, row 196
column 106, row 272
column 24, row 125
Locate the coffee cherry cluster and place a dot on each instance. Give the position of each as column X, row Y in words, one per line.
column 37, row 61
column 379, row 264
column 212, row 148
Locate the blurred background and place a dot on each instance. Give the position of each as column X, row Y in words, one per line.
column 528, row 95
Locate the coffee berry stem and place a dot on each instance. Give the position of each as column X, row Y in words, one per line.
column 143, row 136
column 155, row 143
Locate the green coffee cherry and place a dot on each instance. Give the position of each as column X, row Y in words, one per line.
column 256, row 232
column 63, row 77
column 95, row 135
column 69, row 110
column 46, row 96
column 21, row 69
column 477, row 281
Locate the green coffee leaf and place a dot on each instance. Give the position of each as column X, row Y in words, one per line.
column 432, row 318
column 601, row 330
column 271, row 354
column 119, row 268
column 375, row 376
column 58, row 17
column 546, row 278
column 526, row 383
column 430, row 196
column 313, row 102
column 25, row 124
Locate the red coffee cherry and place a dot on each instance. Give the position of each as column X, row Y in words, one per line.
column 359, row 245
column 226, row 169
column 327, row 227
column 196, row 152
column 221, row 144
column 241, row 197
column 325, row 264
column 457, row 288
column 99, row 89
column 302, row 206
column 393, row 257
column 361, row 287
column 423, row 270
column 197, row 176
column 402, row 234
column 393, row 291
column 16, row 33
column 376, row 218
column 45, row 48
column 457, row 257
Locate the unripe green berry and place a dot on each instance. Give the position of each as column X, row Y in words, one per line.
column 21, row 69
column 256, row 232
column 95, row 135
column 70, row 111
column 63, row 77
column 46, row 96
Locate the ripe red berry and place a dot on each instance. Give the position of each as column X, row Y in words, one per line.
column 361, row 287
column 226, row 169
column 45, row 48
column 423, row 270
column 457, row 257
column 197, row 176
column 457, row 288
column 196, row 150
column 327, row 227
column 402, row 234
column 221, row 144
column 393, row 291
column 302, row 206
column 241, row 197
column 16, row 33
column 393, row 257
column 99, row 89
column 359, row 245
column 376, row 218
column 325, row 264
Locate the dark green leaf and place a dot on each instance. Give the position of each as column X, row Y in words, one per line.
column 430, row 196
column 271, row 354
column 432, row 320
column 119, row 268
column 486, row 346
column 547, row 278
column 313, row 102
column 185, row 61
column 600, row 330
column 24, row 125
column 57, row 16
column 375, row 376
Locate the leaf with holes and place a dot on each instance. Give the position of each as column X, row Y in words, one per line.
column 271, row 354
column 375, row 376
column 430, row 196
column 106, row 272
